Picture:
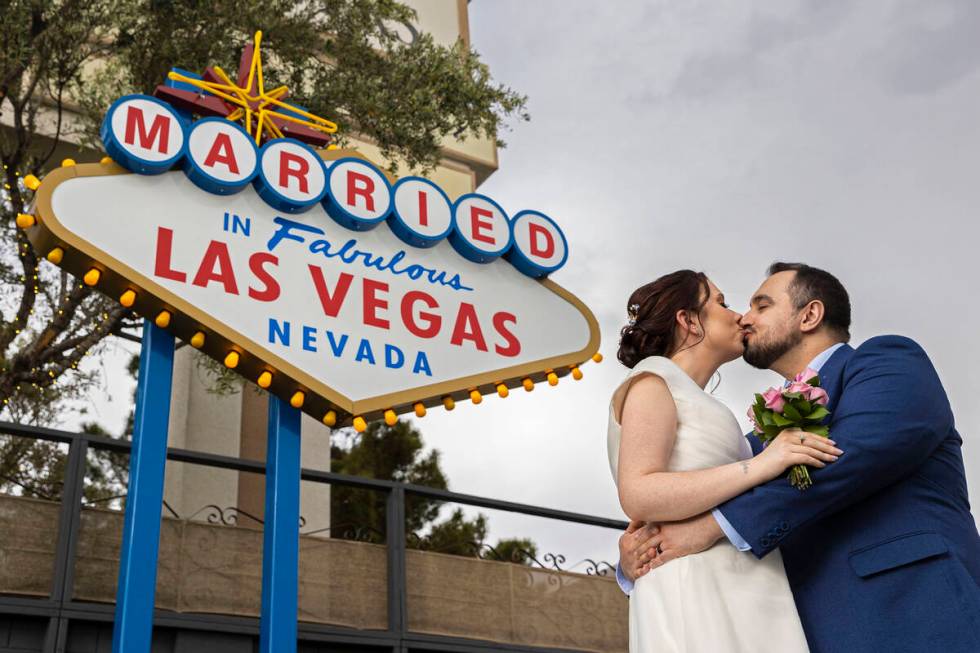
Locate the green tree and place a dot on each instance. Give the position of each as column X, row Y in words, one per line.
column 520, row 550
column 63, row 61
column 397, row 453
column 457, row 535
column 36, row 469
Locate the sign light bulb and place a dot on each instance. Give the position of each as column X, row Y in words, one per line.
column 92, row 277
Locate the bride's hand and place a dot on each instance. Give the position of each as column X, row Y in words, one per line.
column 636, row 549
column 795, row 447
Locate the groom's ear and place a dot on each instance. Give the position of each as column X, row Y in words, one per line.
column 811, row 317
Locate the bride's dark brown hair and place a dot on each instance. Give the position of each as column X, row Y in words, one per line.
column 654, row 307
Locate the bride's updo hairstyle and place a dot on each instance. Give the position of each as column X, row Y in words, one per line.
column 652, row 310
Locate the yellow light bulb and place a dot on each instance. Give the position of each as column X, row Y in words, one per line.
column 597, row 357
column 55, row 255
column 296, row 401
column 163, row 319
column 197, row 340
column 448, row 403
column 576, row 372
column 528, row 384
column 92, row 277
column 25, row 220
column 359, row 424
column 265, row 379
column 32, row 182
column 475, row 396
column 127, row 298
column 67, row 163
column 390, row 417
column 502, row 390
column 330, row 419
column 231, row 360
column 419, row 409
column 552, row 378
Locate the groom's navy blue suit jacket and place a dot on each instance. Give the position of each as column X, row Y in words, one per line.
column 881, row 552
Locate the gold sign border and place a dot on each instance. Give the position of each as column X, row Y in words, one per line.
column 186, row 319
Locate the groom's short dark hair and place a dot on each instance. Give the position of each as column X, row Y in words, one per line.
column 812, row 283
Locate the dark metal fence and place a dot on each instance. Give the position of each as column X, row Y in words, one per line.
column 45, row 621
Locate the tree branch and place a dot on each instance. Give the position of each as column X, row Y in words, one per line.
column 60, row 320
column 28, row 259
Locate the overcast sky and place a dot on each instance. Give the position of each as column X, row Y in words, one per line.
column 721, row 136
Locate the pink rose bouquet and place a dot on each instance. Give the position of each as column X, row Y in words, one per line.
column 801, row 405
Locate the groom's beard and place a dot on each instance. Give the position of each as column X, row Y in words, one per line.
column 763, row 354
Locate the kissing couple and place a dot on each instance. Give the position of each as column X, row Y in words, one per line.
column 723, row 552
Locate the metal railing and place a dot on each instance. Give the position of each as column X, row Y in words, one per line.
column 60, row 607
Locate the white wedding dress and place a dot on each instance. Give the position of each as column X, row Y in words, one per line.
column 722, row 599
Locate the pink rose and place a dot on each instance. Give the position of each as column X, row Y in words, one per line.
column 818, row 396
column 774, row 399
column 755, row 424
column 806, row 375
column 801, row 387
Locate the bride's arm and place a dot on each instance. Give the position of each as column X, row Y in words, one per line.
column 649, row 428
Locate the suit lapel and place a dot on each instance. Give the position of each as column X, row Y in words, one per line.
column 832, row 372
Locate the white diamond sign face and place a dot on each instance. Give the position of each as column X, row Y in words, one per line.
column 359, row 321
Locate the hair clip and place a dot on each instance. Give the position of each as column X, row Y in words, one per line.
column 631, row 313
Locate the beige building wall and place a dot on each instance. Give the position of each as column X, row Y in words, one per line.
column 206, row 422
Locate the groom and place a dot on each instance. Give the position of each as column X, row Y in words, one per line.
column 882, row 553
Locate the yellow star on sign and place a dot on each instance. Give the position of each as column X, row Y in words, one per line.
column 263, row 113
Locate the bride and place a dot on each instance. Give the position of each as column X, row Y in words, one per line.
column 676, row 452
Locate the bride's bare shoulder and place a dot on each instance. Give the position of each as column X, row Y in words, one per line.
column 646, row 389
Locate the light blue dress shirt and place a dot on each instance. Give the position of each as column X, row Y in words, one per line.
column 737, row 540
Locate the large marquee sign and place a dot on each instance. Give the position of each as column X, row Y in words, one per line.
column 311, row 272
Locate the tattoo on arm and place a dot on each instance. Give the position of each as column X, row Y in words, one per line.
column 745, row 467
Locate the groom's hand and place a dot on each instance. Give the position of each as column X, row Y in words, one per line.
column 682, row 538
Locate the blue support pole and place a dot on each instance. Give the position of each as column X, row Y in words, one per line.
column 133, row 628
column 280, row 549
